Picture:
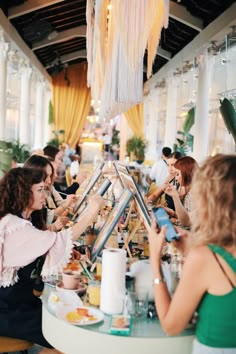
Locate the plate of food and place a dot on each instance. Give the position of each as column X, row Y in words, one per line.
column 80, row 316
column 74, row 267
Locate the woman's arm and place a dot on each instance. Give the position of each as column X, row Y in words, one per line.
column 65, row 204
column 160, row 190
column 95, row 203
column 181, row 213
column 154, row 196
column 174, row 314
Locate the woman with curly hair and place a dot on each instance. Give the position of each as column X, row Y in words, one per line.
column 56, row 206
column 208, row 281
column 22, row 247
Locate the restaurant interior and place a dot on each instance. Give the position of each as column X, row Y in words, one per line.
column 110, row 83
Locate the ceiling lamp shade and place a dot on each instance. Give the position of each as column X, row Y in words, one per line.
column 118, row 33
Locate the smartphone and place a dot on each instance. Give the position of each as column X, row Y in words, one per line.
column 162, row 219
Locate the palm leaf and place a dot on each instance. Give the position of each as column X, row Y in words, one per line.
column 189, row 120
column 229, row 116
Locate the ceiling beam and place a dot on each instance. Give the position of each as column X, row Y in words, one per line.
column 215, row 31
column 79, row 31
column 179, row 13
column 13, row 36
column 29, row 6
column 69, row 57
column 163, row 53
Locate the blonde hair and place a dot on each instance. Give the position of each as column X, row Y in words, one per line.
column 214, row 201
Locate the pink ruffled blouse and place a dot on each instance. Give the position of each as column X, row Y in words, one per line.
column 21, row 243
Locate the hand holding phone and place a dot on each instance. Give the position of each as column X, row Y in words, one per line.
column 162, row 219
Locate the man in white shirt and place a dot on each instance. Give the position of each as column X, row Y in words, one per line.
column 159, row 171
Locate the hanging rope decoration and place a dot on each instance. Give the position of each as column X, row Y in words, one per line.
column 118, row 33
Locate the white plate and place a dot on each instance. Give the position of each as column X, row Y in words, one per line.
column 62, row 311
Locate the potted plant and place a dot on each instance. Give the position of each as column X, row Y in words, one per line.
column 58, row 138
column 135, row 147
column 20, row 152
column 115, row 143
column 184, row 143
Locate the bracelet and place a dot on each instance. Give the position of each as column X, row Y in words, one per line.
column 158, row 281
column 63, row 207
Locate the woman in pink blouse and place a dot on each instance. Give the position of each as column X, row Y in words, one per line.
column 25, row 247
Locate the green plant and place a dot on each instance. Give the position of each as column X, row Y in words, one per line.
column 20, row 152
column 58, row 138
column 50, row 113
column 136, row 146
column 184, row 143
column 229, row 116
column 5, row 155
column 115, row 140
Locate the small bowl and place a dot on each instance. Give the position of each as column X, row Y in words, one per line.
column 80, row 289
column 70, row 280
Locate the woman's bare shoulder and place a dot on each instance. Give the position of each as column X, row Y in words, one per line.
column 199, row 253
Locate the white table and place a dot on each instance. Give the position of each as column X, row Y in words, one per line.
column 146, row 337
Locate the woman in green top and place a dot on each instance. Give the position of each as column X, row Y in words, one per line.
column 208, row 280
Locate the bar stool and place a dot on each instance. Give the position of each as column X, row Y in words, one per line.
column 9, row 345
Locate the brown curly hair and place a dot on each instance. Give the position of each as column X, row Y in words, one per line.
column 214, row 200
column 15, row 190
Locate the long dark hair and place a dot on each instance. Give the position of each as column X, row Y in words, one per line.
column 39, row 162
column 16, row 194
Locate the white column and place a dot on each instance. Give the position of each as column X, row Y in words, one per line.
column 151, row 123
column 170, row 128
column 46, row 126
column 201, row 126
column 3, row 83
column 38, row 127
column 24, row 122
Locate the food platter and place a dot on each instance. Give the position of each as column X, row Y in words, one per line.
column 80, row 316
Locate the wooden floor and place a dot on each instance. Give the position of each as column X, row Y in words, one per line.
column 34, row 350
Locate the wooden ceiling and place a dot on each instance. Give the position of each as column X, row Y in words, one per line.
column 55, row 30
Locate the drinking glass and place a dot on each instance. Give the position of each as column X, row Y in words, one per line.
column 137, row 302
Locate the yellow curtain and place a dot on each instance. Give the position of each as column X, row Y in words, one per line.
column 135, row 119
column 71, row 103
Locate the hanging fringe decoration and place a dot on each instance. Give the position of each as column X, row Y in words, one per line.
column 89, row 39
column 120, row 33
column 160, row 21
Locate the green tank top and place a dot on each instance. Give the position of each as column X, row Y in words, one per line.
column 216, row 325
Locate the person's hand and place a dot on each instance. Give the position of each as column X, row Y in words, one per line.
column 60, row 222
column 76, row 255
column 151, row 199
column 171, row 190
column 96, row 203
column 156, row 241
column 81, row 177
column 70, row 200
